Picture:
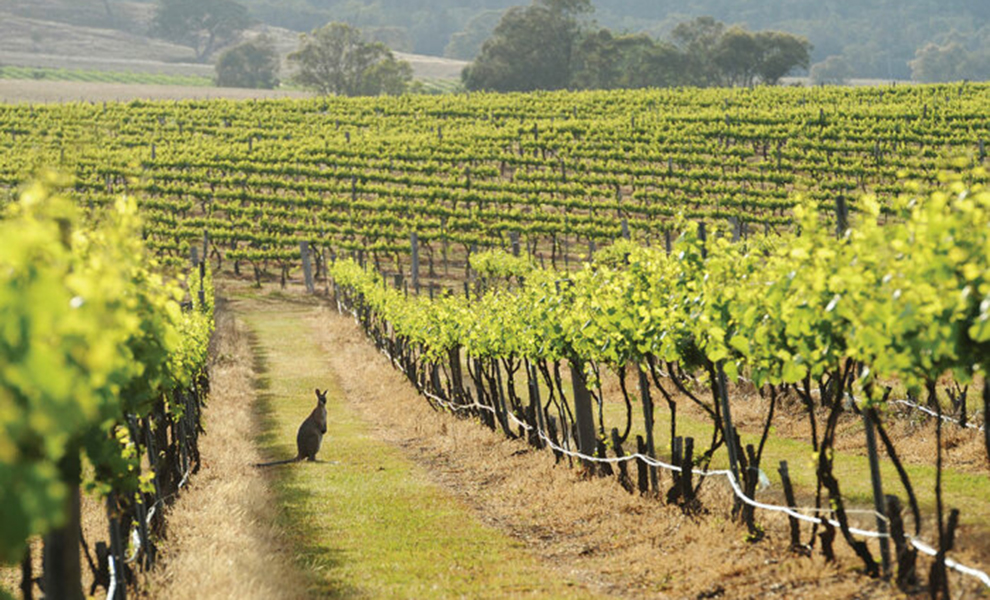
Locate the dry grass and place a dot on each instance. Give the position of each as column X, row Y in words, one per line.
column 223, row 541
column 21, row 90
column 588, row 528
column 371, row 522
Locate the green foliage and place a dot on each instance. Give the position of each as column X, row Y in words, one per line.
column 951, row 61
column 545, row 47
column 467, row 170
column 203, row 25
column 501, row 266
column 834, row 70
column 336, row 60
column 89, row 334
column 605, row 61
column 251, row 64
column 717, row 55
column 466, row 44
column 910, row 299
column 530, row 49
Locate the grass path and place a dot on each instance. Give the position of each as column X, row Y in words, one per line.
column 373, row 525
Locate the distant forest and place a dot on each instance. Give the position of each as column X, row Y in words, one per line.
column 876, row 38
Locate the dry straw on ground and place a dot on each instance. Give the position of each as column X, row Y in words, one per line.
column 223, row 542
column 588, row 528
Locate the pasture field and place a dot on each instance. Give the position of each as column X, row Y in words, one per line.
column 706, row 281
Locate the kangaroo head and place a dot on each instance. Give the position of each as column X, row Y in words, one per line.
column 322, row 396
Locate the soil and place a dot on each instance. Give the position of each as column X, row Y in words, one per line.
column 73, row 91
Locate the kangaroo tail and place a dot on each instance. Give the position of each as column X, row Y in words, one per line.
column 278, row 462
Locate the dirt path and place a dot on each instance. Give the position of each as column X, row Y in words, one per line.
column 29, row 91
column 372, row 523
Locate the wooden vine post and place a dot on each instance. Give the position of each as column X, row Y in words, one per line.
column 583, row 415
column 730, row 432
column 644, row 392
column 61, row 556
column 307, row 266
column 986, row 418
column 879, row 501
column 414, row 242
column 841, row 216
column 535, row 405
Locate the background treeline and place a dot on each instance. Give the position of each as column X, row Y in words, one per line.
column 875, row 38
column 548, row 45
column 924, row 40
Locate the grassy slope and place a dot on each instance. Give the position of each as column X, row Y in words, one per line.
column 372, row 525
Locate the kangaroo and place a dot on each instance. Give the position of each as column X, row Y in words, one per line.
column 310, row 433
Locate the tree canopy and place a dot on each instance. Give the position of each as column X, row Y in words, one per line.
column 877, row 39
column 251, row 64
column 203, row 25
column 546, row 46
column 335, row 59
column 530, row 49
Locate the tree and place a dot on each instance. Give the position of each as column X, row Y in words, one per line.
column 604, row 61
column 203, row 25
column 336, row 60
column 781, row 53
column 252, row 64
column 952, row 61
column 834, row 70
column 466, row 45
column 698, row 40
column 597, row 62
column 530, row 49
column 736, row 57
column 389, row 77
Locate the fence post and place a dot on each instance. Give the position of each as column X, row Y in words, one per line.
column 730, row 432
column 878, row 497
column 687, row 473
column 644, row 394
column 986, row 417
column 62, row 572
column 841, row 216
column 307, row 266
column 116, row 549
column 202, row 283
column 736, row 228
column 644, row 479
column 414, row 241
column 583, row 415
column 514, row 240
column 785, row 481
column 534, row 400
column 625, row 229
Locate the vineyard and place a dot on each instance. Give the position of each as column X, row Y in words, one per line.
column 571, row 269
